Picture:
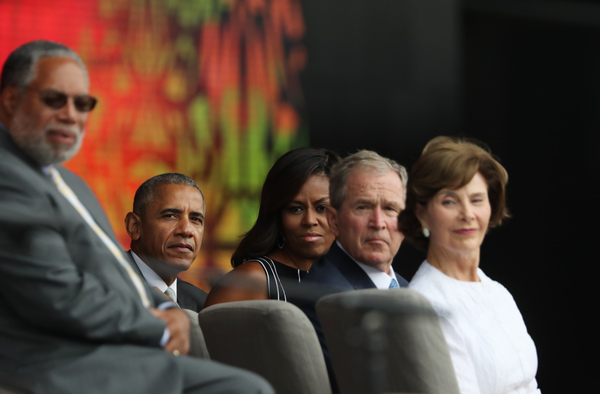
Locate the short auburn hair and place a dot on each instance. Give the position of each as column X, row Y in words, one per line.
column 451, row 163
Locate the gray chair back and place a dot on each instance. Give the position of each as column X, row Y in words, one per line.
column 272, row 338
column 197, row 343
column 386, row 341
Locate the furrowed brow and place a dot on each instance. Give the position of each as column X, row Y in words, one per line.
column 171, row 210
column 393, row 204
column 197, row 214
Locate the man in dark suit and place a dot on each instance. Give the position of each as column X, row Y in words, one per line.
column 74, row 316
column 367, row 193
column 166, row 229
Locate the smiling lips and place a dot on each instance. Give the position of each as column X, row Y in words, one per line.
column 61, row 136
column 466, row 231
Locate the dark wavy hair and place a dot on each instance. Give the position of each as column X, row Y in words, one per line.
column 283, row 182
column 451, row 163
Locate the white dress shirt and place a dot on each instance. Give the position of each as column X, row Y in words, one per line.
column 381, row 279
column 152, row 277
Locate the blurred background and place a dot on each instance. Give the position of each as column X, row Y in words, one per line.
column 219, row 89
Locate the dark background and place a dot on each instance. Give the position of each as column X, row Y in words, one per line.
column 522, row 77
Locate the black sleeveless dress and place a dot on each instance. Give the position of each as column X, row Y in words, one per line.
column 278, row 274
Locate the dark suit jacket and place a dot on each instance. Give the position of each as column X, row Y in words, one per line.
column 64, row 298
column 332, row 273
column 188, row 295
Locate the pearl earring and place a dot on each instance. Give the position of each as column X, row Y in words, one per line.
column 426, row 232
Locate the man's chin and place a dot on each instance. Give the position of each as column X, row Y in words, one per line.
column 179, row 264
column 54, row 158
column 377, row 259
column 45, row 154
column 62, row 152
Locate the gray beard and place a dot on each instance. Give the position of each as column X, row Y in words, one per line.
column 34, row 142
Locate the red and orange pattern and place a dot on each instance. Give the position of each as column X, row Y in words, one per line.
column 208, row 88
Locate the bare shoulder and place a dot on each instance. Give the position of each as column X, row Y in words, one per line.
column 245, row 282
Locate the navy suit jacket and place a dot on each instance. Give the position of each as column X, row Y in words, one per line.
column 332, row 273
column 190, row 296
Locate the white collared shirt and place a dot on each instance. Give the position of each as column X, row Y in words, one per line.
column 381, row 279
column 152, row 277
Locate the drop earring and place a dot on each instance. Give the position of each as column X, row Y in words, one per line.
column 280, row 241
column 426, row 232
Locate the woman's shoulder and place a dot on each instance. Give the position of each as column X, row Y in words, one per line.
column 264, row 263
column 498, row 293
column 245, row 282
column 447, row 295
column 427, row 278
column 431, row 283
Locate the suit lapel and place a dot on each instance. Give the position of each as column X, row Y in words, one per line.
column 89, row 201
column 136, row 268
column 182, row 299
column 355, row 275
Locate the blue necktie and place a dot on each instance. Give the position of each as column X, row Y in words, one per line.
column 394, row 284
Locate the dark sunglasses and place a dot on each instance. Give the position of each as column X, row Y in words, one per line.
column 56, row 100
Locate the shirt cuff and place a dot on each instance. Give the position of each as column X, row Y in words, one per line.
column 167, row 305
column 166, row 334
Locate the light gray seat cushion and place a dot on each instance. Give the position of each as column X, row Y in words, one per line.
column 197, row 344
column 272, row 338
column 386, row 341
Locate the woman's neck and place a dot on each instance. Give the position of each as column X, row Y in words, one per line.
column 460, row 266
column 286, row 258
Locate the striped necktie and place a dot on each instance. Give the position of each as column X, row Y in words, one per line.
column 66, row 191
column 394, row 284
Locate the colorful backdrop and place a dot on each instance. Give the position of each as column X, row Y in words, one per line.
column 208, row 88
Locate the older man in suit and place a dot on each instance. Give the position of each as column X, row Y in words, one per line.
column 74, row 316
column 166, row 229
column 367, row 194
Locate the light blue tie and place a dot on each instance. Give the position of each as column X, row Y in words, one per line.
column 394, row 284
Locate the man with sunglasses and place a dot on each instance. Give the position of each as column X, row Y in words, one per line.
column 74, row 316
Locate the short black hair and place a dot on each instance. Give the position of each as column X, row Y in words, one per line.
column 147, row 190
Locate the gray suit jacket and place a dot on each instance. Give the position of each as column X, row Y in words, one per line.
column 64, row 299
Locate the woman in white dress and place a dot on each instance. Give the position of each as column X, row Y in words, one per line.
column 455, row 193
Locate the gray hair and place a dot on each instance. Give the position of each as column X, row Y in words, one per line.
column 20, row 66
column 363, row 160
column 147, row 191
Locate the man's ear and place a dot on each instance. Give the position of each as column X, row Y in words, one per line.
column 10, row 100
column 332, row 219
column 132, row 225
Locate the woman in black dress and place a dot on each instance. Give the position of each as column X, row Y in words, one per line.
column 291, row 230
